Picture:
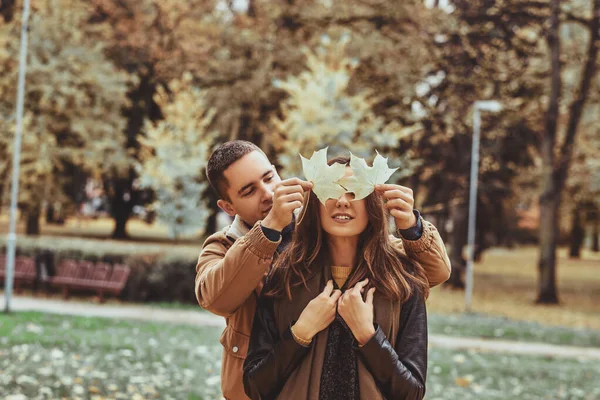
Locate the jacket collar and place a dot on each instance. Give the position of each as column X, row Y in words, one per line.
column 237, row 229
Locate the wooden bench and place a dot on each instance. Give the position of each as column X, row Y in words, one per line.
column 85, row 275
column 24, row 271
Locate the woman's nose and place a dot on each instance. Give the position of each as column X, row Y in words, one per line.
column 344, row 200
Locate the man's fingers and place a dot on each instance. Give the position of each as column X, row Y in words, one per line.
column 370, row 295
column 391, row 186
column 288, row 198
column 399, row 204
column 397, row 194
column 285, row 190
column 400, row 214
column 305, row 185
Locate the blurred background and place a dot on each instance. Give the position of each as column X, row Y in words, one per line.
column 124, row 101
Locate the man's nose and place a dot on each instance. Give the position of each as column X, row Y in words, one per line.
column 267, row 192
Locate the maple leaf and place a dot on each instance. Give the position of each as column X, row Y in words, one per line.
column 323, row 176
column 362, row 182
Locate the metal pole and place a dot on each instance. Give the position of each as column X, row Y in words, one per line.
column 12, row 235
column 472, row 206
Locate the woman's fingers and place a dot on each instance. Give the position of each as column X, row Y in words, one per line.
column 370, row 295
column 328, row 288
column 358, row 288
column 336, row 295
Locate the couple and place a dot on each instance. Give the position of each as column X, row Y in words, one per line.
column 341, row 313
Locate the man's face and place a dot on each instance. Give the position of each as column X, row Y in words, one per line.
column 252, row 180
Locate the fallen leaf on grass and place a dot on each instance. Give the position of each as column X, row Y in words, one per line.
column 464, row 381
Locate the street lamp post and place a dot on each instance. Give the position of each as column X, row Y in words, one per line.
column 491, row 106
column 12, row 235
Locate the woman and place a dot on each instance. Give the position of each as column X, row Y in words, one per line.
column 376, row 348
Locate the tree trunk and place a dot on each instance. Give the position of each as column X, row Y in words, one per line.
column 33, row 220
column 7, row 10
column 550, row 198
column 554, row 175
column 121, row 207
column 577, row 234
column 547, row 293
column 595, row 234
column 457, row 242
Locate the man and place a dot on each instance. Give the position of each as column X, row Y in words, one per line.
column 234, row 261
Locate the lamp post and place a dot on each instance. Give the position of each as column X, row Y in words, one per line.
column 491, row 106
column 12, row 235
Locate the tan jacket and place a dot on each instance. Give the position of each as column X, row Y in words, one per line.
column 229, row 277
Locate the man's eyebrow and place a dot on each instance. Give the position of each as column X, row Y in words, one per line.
column 252, row 183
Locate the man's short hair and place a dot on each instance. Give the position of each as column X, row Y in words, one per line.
column 221, row 158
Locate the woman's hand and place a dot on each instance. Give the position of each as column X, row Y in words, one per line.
column 318, row 314
column 357, row 313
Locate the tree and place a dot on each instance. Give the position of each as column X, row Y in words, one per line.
column 157, row 41
column 320, row 112
column 583, row 183
column 174, row 155
column 557, row 154
column 73, row 101
column 477, row 53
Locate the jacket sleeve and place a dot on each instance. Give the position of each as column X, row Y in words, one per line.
column 226, row 277
column 429, row 251
column 271, row 357
column 400, row 372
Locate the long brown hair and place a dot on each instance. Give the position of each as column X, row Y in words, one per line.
column 394, row 275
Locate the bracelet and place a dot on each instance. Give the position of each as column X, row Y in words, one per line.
column 299, row 340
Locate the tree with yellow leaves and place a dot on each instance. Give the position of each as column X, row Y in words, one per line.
column 174, row 155
column 320, row 111
column 73, row 101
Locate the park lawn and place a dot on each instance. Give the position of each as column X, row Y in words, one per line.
column 505, row 285
column 50, row 356
column 487, row 327
column 502, row 328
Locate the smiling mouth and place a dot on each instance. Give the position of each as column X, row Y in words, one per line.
column 342, row 218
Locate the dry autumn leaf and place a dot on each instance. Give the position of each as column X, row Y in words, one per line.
column 362, row 182
column 323, row 176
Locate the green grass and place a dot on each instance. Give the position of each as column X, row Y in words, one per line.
column 66, row 356
column 492, row 327
column 53, row 356
column 471, row 375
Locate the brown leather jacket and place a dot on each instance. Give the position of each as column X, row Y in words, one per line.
column 229, row 277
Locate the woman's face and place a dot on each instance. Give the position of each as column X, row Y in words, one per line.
column 343, row 217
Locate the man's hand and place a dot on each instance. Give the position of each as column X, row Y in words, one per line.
column 401, row 203
column 288, row 196
column 318, row 314
column 357, row 313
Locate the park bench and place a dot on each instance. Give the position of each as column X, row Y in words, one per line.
column 85, row 275
column 24, row 271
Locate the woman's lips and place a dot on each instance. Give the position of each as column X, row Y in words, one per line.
column 342, row 218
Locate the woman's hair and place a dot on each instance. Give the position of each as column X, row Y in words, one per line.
column 393, row 274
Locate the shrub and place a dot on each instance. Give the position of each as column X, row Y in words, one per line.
column 159, row 272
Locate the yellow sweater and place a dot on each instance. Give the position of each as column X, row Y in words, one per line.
column 340, row 274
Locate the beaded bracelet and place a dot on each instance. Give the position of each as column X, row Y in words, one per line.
column 299, row 340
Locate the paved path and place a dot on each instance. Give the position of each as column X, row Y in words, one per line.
column 202, row 318
column 119, row 311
